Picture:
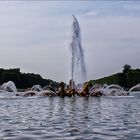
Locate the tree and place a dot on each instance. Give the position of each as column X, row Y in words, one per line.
column 126, row 68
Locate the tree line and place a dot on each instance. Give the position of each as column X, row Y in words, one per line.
column 127, row 78
column 24, row 80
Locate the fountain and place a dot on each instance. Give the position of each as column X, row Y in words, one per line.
column 111, row 90
column 137, row 87
column 78, row 68
column 36, row 88
column 9, row 87
column 135, row 90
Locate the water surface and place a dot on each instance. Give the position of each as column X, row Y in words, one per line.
column 104, row 118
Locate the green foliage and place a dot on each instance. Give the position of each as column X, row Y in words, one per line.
column 132, row 78
column 126, row 79
column 24, row 80
column 126, row 68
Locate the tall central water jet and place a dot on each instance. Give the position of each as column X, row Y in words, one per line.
column 78, row 68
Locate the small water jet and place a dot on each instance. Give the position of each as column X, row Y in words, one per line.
column 36, row 88
column 108, row 90
column 78, row 68
column 9, row 86
column 136, row 87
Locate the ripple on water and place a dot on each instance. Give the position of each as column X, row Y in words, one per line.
column 70, row 118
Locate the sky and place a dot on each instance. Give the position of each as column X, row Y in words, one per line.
column 35, row 36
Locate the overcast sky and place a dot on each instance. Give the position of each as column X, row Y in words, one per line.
column 35, row 36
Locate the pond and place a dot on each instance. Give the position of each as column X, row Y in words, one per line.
column 74, row 118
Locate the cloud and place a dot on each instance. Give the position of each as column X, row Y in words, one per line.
column 91, row 13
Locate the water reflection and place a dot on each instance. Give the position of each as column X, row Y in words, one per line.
column 70, row 118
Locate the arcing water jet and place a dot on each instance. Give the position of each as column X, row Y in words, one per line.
column 78, row 68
